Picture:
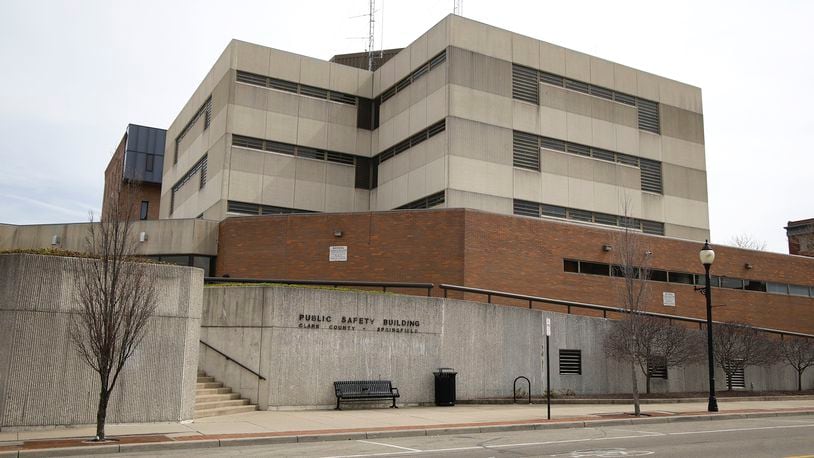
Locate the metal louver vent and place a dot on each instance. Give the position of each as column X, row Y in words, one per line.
column 577, row 86
column 653, row 227
column 648, row 115
column 281, row 85
column 340, row 158
column 251, row 78
column 624, row 98
column 604, row 218
column 550, row 78
column 552, row 143
column 526, row 208
column 602, row 92
column 571, row 362
column 657, row 368
column 524, row 84
column 580, row 215
column 627, row 159
column 553, row 211
column 425, row 202
column 526, row 150
column 578, row 149
column 738, row 378
column 313, row 91
column 605, row 155
column 651, row 175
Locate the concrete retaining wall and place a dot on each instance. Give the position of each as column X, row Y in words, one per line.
column 43, row 381
column 489, row 345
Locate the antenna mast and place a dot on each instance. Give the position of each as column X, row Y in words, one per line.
column 371, row 34
column 458, row 9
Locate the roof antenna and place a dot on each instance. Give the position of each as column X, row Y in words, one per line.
column 458, row 9
column 371, row 34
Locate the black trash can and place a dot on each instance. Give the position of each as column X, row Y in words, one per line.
column 445, row 386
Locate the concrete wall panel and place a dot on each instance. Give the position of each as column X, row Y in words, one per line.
column 43, row 379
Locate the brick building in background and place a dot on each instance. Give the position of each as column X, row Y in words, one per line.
column 801, row 237
column 139, row 161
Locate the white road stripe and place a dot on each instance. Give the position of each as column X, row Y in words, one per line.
column 390, row 445
column 741, row 429
column 531, row 444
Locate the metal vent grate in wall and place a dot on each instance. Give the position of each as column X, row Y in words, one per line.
column 526, row 208
column 412, row 141
column 571, row 362
column 554, row 211
column 526, row 150
column 738, row 378
column 524, row 84
column 248, row 208
column 425, row 202
column 414, row 75
column 651, row 175
column 288, row 86
column 653, row 227
column 648, row 115
column 657, row 368
column 293, row 150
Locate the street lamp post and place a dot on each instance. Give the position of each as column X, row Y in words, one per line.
column 707, row 256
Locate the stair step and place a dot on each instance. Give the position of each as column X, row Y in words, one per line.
column 203, row 391
column 224, row 411
column 209, row 385
column 201, row 373
column 218, row 404
column 217, row 397
column 205, row 379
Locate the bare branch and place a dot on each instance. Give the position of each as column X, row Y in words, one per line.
column 115, row 297
column 748, row 242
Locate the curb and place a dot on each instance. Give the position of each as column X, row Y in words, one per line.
column 580, row 401
column 271, row 440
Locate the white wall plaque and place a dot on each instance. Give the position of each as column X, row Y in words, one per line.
column 669, row 299
column 548, row 326
column 338, row 253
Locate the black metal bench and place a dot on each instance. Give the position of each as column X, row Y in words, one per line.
column 363, row 390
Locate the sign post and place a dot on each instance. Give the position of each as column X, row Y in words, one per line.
column 548, row 367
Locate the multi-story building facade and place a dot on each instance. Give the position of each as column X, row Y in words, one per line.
column 801, row 237
column 468, row 115
column 138, row 161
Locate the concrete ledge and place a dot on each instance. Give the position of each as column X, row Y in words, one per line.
column 8, row 453
column 331, row 437
column 449, row 431
column 250, row 441
column 501, row 428
column 398, row 433
column 71, row 451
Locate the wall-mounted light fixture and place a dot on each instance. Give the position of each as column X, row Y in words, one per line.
column 337, row 233
column 55, row 240
column 607, row 247
column 747, row 266
column 142, row 236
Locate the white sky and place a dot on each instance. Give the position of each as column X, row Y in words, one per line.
column 74, row 74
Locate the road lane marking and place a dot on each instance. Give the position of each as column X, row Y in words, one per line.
column 648, row 433
column 531, row 444
column 756, row 428
column 390, row 445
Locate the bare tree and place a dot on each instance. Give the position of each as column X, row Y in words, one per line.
column 624, row 341
column 799, row 353
column 748, row 242
column 115, row 297
column 739, row 345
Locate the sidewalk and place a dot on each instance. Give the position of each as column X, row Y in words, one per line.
column 254, row 428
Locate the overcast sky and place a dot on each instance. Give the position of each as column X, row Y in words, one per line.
column 75, row 73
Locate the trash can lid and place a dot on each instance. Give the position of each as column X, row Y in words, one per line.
column 445, row 370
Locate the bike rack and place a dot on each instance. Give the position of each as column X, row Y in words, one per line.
column 514, row 391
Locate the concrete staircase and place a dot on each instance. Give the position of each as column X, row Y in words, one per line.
column 212, row 398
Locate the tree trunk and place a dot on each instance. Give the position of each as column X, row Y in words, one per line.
column 728, row 382
column 799, row 380
column 636, row 408
column 101, row 414
column 647, row 381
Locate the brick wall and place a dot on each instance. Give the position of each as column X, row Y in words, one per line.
column 150, row 192
column 515, row 254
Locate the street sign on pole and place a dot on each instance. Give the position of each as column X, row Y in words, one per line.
column 547, row 367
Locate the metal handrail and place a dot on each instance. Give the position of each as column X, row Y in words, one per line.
column 228, row 358
column 335, row 283
column 604, row 308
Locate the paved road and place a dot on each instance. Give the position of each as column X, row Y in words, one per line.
column 765, row 437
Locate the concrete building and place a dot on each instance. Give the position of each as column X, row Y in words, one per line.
column 468, row 115
column 801, row 237
column 139, row 161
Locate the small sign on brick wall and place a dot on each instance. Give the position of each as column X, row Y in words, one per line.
column 669, row 299
column 338, row 253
